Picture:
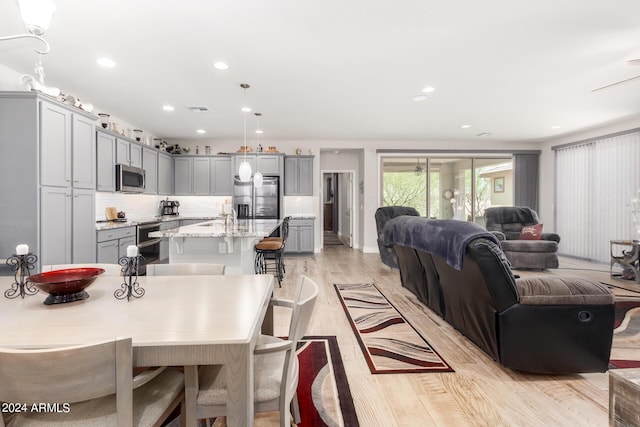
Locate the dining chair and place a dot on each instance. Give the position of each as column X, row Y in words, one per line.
column 109, row 269
column 275, row 365
column 87, row 385
column 185, row 269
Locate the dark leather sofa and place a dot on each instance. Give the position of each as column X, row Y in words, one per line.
column 545, row 324
column 384, row 214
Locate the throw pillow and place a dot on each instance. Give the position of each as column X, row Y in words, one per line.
column 531, row 232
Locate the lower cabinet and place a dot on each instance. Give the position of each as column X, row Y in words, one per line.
column 112, row 244
column 164, row 243
column 300, row 238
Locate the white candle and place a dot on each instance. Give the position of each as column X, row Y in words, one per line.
column 22, row 249
column 132, row 250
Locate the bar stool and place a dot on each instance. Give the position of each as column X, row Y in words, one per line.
column 269, row 250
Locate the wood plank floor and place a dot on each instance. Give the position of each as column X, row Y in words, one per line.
column 479, row 393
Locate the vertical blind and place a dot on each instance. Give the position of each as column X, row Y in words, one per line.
column 595, row 181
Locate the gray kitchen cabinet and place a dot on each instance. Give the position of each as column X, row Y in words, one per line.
column 166, row 174
column 201, row 176
column 221, row 176
column 128, row 153
column 150, row 166
column 267, row 164
column 112, row 243
column 105, row 152
column 301, row 236
column 54, row 144
column 183, row 172
column 298, row 176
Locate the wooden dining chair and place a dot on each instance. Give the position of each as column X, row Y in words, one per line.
column 275, row 365
column 109, row 269
column 88, row 385
column 185, row 269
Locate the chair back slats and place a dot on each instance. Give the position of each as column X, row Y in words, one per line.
column 69, row 374
column 185, row 269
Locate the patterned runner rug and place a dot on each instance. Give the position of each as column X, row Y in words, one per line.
column 625, row 351
column 390, row 344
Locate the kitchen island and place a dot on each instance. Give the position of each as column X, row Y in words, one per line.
column 215, row 242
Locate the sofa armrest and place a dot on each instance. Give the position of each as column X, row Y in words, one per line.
column 499, row 234
column 551, row 236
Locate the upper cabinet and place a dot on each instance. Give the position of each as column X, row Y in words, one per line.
column 298, row 176
column 165, row 174
column 267, row 164
column 221, row 176
column 106, row 151
column 128, row 153
column 150, row 166
column 203, row 176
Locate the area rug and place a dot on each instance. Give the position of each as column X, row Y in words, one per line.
column 331, row 239
column 323, row 391
column 390, row 344
column 625, row 351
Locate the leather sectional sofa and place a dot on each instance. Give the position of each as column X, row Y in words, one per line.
column 543, row 324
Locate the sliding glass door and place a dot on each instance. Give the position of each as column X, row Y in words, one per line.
column 448, row 187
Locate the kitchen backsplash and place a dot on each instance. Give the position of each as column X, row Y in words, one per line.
column 300, row 205
column 138, row 206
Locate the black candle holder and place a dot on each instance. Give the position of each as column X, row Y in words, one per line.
column 21, row 265
column 130, row 288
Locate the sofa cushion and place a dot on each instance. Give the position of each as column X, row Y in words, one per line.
column 531, row 232
column 552, row 290
column 529, row 246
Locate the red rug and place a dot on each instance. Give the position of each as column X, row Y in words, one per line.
column 323, row 391
column 390, row 344
column 625, row 350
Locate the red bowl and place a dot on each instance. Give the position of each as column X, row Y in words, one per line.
column 65, row 285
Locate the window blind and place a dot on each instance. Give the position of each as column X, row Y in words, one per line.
column 595, row 182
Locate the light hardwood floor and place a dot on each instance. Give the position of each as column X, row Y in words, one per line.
column 478, row 393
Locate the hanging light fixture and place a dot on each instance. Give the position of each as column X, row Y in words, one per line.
column 244, row 171
column 418, row 169
column 36, row 15
column 257, row 177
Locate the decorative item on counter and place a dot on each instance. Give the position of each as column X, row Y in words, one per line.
column 21, row 263
column 207, row 149
column 138, row 134
column 259, row 148
column 130, row 288
column 104, row 119
column 197, row 150
column 114, row 127
column 156, row 142
column 271, row 149
column 298, row 151
column 186, row 150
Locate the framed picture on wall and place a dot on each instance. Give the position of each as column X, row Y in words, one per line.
column 498, row 185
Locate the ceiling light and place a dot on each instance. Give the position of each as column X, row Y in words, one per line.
column 556, row 127
column 36, row 15
column 106, row 62
column 428, row 89
column 168, row 107
column 201, row 131
column 244, row 170
column 465, row 126
column 419, row 98
column 484, row 134
column 219, row 65
column 258, row 179
column 260, row 131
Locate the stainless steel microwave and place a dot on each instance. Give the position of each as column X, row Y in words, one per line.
column 129, row 179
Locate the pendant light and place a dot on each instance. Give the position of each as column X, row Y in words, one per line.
column 257, row 177
column 244, row 171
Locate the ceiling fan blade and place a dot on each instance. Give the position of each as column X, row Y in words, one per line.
column 616, row 83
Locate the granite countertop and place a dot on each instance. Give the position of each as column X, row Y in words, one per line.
column 302, row 216
column 165, row 218
column 216, row 228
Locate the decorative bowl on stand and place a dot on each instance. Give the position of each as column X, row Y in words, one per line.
column 65, row 285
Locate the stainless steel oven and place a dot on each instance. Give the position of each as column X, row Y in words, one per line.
column 149, row 246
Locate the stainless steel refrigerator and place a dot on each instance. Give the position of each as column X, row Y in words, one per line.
column 257, row 203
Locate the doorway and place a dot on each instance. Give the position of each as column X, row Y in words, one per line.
column 337, row 208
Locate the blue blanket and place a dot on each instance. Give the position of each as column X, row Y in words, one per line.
column 446, row 238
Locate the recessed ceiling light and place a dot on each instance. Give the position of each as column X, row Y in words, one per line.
column 259, row 131
column 168, row 107
column 484, row 134
column 245, row 109
column 201, row 131
column 556, row 127
column 106, row 62
column 465, row 126
column 428, row 89
column 419, row 98
column 219, row 65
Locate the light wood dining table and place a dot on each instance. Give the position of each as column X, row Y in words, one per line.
column 180, row 321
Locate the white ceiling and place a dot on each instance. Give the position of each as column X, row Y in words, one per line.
column 342, row 70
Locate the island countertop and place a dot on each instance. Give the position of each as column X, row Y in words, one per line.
column 216, row 228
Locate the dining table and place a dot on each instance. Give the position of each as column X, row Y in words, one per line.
column 185, row 321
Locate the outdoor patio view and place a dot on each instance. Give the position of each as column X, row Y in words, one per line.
column 457, row 188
